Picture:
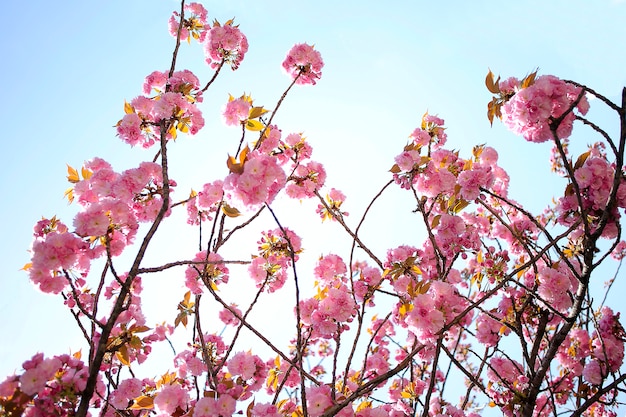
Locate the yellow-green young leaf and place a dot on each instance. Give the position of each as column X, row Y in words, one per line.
column 460, row 205
column 143, row 402
column 195, row 35
column 424, row 121
column 172, row 131
column 364, row 405
column 404, row 309
column 69, row 194
column 27, row 266
column 86, row 173
column 128, row 108
column 492, row 86
column 183, row 127
column 122, row 355
column 193, row 193
column 72, row 175
column 254, row 125
column 230, row 211
column 256, row 112
column 478, row 150
column 271, row 379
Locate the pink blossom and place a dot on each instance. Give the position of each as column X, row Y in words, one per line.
column 318, row 399
column 304, row 64
column 261, row 180
column 225, row 44
column 211, row 194
column 338, row 305
column 250, row 367
column 265, row 410
column 34, row 379
column 205, row 407
column 236, row 111
column 306, row 180
column 228, row 318
column 328, row 267
column 425, row 320
column 488, row 330
column 530, row 110
column 170, row 398
column 592, row 372
column 194, row 24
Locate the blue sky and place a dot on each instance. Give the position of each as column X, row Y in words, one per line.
column 68, row 66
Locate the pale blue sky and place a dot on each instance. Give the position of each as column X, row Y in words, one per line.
column 68, row 66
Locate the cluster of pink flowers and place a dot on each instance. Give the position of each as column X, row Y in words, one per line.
column 304, row 64
column 261, row 180
column 508, row 380
column 48, row 386
column 236, row 111
column 174, row 103
column 113, row 206
column 489, row 330
column 556, row 286
column 194, row 23
column 432, row 310
column 225, row 44
column 294, row 148
column 440, row 173
column 260, row 174
column 531, row 110
column 334, row 200
column 306, row 180
column 595, row 181
column 334, row 306
column 214, row 272
column 278, row 250
column 200, row 207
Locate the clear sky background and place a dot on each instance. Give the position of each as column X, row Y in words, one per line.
column 68, row 66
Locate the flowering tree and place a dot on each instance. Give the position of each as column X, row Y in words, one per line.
column 495, row 296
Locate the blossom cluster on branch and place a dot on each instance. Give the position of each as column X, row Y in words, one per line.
column 492, row 310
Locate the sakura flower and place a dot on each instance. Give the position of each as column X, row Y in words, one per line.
column 304, row 64
column 225, row 44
